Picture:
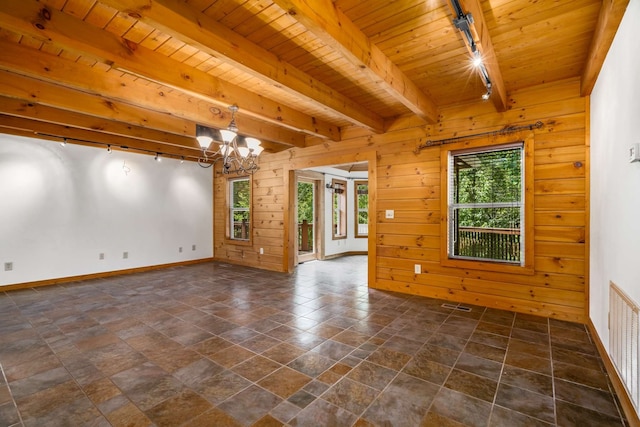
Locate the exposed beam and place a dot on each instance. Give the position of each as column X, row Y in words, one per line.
column 178, row 19
column 485, row 46
column 87, row 137
column 611, row 13
column 33, row 111
column 32, row 63
column 334, row 28
column 31, row 90
column 28, row 17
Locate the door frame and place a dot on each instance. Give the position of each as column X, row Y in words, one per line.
column 317, row 180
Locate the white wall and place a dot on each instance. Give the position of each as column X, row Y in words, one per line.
column 615, row 183
column 350, row 244
column 60, row 207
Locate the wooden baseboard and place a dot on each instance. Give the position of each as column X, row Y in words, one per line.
column 70, row 279
column 621, row 391
column 334, row 256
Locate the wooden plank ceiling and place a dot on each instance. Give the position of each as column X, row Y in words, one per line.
column 301, row 71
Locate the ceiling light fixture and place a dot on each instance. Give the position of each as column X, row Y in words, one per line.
column 157, row 158
column 239, row 154
column 64, row 142
column 109, row 149
column 463, row 23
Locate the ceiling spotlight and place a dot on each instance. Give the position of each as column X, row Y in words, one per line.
column 181, row 159
column 109, row 149
column 487, row 95
column 157, row 158
column 63, row 142
column 477, row 59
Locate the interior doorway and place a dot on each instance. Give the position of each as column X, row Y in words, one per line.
column 308, row 216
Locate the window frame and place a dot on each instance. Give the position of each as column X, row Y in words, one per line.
column 357, row 209
column 337, row 185
column 526, row 266
column 230, row 210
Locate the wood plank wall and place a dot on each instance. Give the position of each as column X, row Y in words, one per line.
column 409, row 183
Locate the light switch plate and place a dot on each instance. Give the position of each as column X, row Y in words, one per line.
column 634, row 153
column 389, row 213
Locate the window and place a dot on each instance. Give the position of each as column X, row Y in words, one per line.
column 339, row 204
column 361, row 195
column 486, row 213
column 240, row 209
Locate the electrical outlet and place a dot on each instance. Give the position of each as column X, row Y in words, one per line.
column 101, row 255
column 125, row 255
column 417, row 269
column 8, row 266
column 180, row 249
column 193, row 247
column 261, row 251
column 389, row 213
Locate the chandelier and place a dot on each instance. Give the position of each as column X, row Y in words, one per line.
column 239, row 154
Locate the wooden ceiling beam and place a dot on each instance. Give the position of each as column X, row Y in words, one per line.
column 334, row 28
column 31, row 90
column 178, row 19
column 39, row 65
column 611, row 13
column 29, row 17
column 43, row 113
column 485, row 46
column 52, row 131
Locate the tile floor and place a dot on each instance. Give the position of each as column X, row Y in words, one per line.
column 220, row 345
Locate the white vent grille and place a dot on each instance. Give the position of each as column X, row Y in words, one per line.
column 624, row 343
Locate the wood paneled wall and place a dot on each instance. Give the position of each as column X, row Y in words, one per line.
column 408, row 181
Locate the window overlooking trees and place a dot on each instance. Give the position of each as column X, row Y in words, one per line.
column 339, row 204
column 361, row 195
column 486, row 204
column 240, row 208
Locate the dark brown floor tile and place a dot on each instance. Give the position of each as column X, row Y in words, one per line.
column 577, row 346
column 32, row 367
column 286, row 411
column 456, row 330
column 329, row 377
column 250, row 404
column 441, row 355
column 316, row 387
column 479, row 387
column 232, row 356
column 351, row 337
column 403, row 403
column 284, row 382
column 461, row 408
column 305, row 340
column 372, row 375
column 479, row 366
column 129, row 415
column 404, row 345
column 485, row 351
column 311, row 364
column 572, row 415
column 534, row 326
column 178, row 409
column 172, row 360
column 267, row 421
column 44, row 402
column 239, row 335
column 576, row 358
column 528, row 362
column 301, row 399
column 503, row 417
column 558, row 333
column 539, row 350
column 147, row 385
column 428, row 370
column 197, row 371
column 101, row 390
column 530, row 336
column 526, row 402
column 218, row 388
column 323, row 413
column 580, row 375
column 256, row 368
column 350, row 395
column 494, row 328
column 433, row 419
column 333, row 350
column 389, row 358
column 39, row 382
column 586, row 397
column 528, row 380
column 447, row 341
column 283, row 353
column 9, row 414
